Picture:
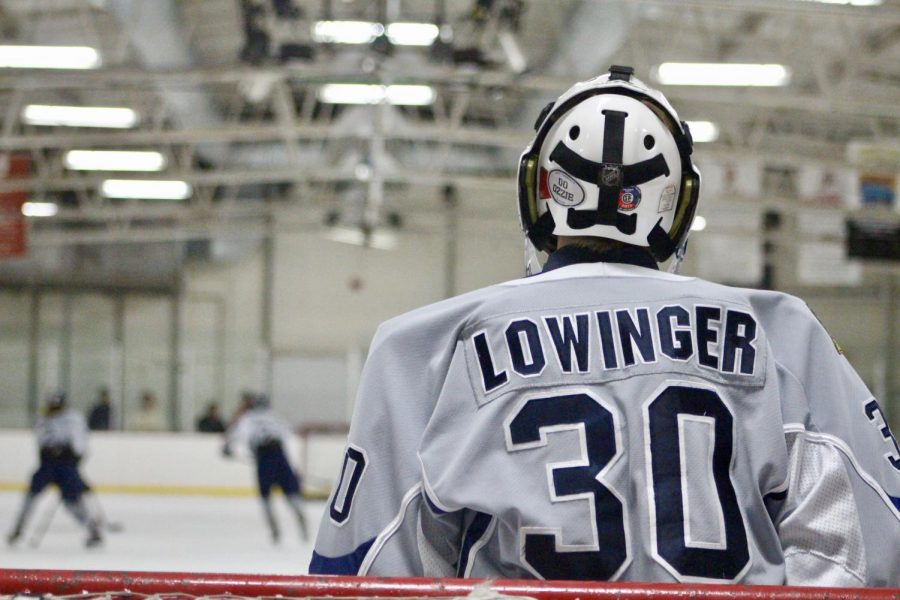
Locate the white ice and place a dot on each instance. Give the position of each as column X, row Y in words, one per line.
column 164, row 533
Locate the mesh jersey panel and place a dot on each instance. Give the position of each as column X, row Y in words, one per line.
column 821, row 535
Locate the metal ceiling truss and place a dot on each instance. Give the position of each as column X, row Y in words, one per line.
column 276, row 138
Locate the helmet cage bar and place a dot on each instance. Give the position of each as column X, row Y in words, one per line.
column 539, row 228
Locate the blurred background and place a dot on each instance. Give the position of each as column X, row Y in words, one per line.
column 202, row 197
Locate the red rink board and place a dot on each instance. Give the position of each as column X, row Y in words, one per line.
column 123, row 584
column 12, row 223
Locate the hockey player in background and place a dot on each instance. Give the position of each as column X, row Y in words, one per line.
column 62, row 441
column 604, row 420
column 266, row 435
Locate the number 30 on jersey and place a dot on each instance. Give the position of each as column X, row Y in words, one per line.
column 665, row 416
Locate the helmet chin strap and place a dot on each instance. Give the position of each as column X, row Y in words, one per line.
column 533, row 264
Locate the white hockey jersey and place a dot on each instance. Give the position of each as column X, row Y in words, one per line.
column 66, row 428
column 256, row 427
column 611, row 422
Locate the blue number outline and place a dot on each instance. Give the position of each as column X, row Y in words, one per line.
column 360, row 463
column 651, row 492
column 742, row 550
column 582, row 461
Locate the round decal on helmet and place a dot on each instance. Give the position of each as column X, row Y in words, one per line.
column 629, row 198
column 565, row 190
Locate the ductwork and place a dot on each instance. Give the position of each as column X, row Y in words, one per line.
column 598, row 27
column 156, row 32
column 595, row 32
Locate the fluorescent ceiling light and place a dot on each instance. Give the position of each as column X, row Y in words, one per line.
column 113, row 160
column 725, row 74
column 79, row 116
column 410, row 95
column 346, row 32
column 356, row 93
column 351, row 93
column 698, row 224
column 850, row 2
column 363, row 172
column 39, row 209
column 152, row 189
column 380, row 240
column 703, row 131
column 49, row 57
column 365, row 32
column 513, row 51
column 412, row 34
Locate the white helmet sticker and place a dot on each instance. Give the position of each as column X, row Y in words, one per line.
column 564, row 189
column 667, row 199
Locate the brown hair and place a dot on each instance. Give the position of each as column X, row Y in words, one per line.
column 597, row 244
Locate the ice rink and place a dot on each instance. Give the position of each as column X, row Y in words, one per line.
column 164, row 533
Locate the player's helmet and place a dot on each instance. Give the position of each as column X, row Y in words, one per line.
column 610, row 159
column 56, row 401
column 260, row 401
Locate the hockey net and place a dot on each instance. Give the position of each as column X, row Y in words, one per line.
column 321, row 452
column 118, row 585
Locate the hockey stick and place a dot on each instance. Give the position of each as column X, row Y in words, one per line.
column 41, row 530
column 102, row 520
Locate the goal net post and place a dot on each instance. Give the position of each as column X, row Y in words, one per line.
column 321, row 451
column 119, row 585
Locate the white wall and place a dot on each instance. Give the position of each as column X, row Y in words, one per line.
column 317, row 307
column 328, row 298
column 221, row 333
column 168, row 462
column 311, row 389
column 314, row 307
column 14, row 324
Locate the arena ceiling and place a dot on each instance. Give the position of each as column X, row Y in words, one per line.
column 230, row 92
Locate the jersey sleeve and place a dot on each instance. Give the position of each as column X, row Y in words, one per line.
column 238, row 433
column 840, row 522
column 372, row 524
column 284, row 430
column 79, row 434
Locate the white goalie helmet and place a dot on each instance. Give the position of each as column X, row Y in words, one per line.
column 610, row 159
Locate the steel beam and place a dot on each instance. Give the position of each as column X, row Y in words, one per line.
column 263, row 133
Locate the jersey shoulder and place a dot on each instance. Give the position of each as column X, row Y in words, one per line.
column 75, row 417
column 775, row 309
column 792, row 326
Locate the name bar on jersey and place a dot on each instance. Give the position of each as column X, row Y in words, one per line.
column 712, row 338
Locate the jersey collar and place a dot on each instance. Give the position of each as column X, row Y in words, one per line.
column 570, row 255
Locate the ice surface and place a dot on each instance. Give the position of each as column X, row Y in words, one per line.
column 164, row 533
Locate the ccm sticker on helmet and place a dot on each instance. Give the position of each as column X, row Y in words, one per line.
column 629, row 198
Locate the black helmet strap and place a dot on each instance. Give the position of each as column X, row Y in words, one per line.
column 610, row 176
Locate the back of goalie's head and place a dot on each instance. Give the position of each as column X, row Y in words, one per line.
column 610, row 160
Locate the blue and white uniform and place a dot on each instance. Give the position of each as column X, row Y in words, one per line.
column 266, row 435
column 62, row 441
column 608, row 421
